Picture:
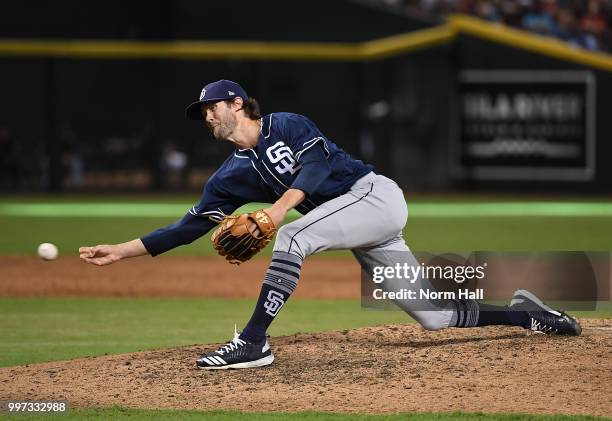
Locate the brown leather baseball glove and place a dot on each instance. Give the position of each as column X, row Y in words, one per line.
column 241, row 237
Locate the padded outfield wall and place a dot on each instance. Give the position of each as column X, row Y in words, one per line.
column 115, row 107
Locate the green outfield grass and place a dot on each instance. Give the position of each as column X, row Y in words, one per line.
column 48, row 329
column 434, row 225
column 145, row 414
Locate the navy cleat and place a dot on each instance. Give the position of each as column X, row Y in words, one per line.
column 542, row 318
column 238, row 353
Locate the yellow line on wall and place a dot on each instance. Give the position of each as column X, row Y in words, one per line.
column 306, row 51
column 182, row 50
column 528, row 41
column 257, row 50
column 412, row 41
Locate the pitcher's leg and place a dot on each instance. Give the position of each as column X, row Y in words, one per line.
column 432, row 315
column 372, row 212
column 279, row 283
column 440, row 313
column 357, row 218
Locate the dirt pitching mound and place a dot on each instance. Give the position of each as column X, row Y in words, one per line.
column 371, row 370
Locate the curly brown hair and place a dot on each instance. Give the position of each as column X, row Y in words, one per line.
column 250, row 107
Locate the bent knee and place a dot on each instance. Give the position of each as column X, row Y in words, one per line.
column 433, row 326
column 287, row 241
column 432, row 321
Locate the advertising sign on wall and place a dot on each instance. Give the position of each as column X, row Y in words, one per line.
column 526, row 125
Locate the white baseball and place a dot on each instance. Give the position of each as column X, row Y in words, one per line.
column 47, row 251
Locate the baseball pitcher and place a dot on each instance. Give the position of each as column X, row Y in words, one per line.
column 284, row 159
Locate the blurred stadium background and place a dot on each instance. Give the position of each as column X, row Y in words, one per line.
column 443, row 96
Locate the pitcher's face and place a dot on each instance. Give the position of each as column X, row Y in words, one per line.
column 220, row 118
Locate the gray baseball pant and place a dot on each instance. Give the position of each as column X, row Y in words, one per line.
column 368, row 220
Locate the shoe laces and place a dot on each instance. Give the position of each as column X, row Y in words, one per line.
column 232, row 345
column 538, row 326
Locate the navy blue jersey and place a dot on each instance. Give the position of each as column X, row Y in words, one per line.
column 263, row 174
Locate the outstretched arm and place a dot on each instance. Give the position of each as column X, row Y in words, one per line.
column 184, row 231
column 194, row 224
column 106, row 254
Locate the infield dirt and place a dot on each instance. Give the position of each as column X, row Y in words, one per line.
column 372, row 370
column 169, row 277
column 395, row 368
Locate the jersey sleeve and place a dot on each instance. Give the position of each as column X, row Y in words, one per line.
column 315, row 169
column 201, row 218
column 301, row 135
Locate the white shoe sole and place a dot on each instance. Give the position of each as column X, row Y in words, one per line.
column 249, row 364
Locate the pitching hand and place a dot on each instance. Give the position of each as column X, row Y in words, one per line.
column 277, row 213
column 100, row 255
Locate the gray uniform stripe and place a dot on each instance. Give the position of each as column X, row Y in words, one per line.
column 468, row 312
column 287, row 256
column 289, row 268
column 278, row 271
column 284, row 280
column 460, row 313
column 273, row 281
column 282, row 287
column 472, row 314
column 283, row 275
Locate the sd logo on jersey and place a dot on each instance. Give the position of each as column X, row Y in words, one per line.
column 280, row 154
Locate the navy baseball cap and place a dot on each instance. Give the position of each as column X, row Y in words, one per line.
column 215, row 91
